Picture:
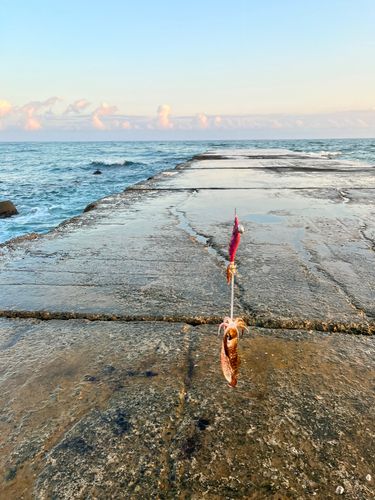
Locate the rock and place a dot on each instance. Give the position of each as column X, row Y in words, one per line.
column 89, row 207
column 97, row 172
column 7, row 209
column 339, row 490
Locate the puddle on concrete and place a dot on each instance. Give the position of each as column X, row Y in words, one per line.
column 264, row 218
column 184, row 225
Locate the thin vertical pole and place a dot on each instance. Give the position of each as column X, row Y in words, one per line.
column 232, row 297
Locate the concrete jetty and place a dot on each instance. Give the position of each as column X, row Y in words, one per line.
column 110, row 378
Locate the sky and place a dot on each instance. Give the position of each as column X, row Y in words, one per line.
column 119, row 70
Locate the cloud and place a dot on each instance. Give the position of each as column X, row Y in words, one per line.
column 41, row 115
column 163, row 112
column 362, row 123
column 201, row 120
column 77, row 106
column 334, row 123
column 34, row 106
column 275, row 124
column 24, row 117
column 51, row 101
column 103, row 110
column 32, row 124
column 217, row 121
column 30, row 109
column 5, row 108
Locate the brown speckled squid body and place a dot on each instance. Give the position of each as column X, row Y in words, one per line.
column 230, row 360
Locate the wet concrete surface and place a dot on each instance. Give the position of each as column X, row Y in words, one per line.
column 158, row 250
column 120, row 393
column 129, row 260
column 141, row 410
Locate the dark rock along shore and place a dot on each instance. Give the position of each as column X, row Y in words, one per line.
column 7, row 209
column 111, row 385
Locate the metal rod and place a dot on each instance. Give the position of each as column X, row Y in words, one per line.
column 232, row 297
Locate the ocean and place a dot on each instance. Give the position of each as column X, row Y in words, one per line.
column 53, row 181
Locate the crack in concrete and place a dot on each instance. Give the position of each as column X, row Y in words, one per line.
column 366, row 239
column 253, row 319
column 341, row 288
column 213, row 248
column 198, row 237
column 180, row 411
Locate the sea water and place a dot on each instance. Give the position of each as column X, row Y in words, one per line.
column 53, row 181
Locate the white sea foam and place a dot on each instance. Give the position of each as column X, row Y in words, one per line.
column 329, row 153
column 111, row 162
column 326, row 153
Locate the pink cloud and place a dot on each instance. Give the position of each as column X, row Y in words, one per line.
column 103, row 110
column 27, row 112
column 201, row 120
column 217, row 121
column 30, row 109
column 163, row 112
column 5, row 108
column 32, row 124
column 275, row 124
column 77, row 106
column 51, row 101
column 362, row 123
column 33, row 107
column 126, row 125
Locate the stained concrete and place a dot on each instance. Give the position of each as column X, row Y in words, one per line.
column 138, row 408
column 141, row 410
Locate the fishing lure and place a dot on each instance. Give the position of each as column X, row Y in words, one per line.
column 230, row 360
column 238, row 229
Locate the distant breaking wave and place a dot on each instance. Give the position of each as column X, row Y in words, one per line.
column 112, row 162
column 326, row 153
column 329, row 153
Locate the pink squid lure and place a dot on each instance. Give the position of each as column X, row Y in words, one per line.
column 233, row 245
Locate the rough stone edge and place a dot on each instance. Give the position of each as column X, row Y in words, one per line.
column 271, row 323
column 19, row 239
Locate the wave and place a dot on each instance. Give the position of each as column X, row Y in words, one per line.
column 326, row 153
column 113, row 162
column 331, row 153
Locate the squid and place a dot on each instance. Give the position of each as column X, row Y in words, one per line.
column 230, row 360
